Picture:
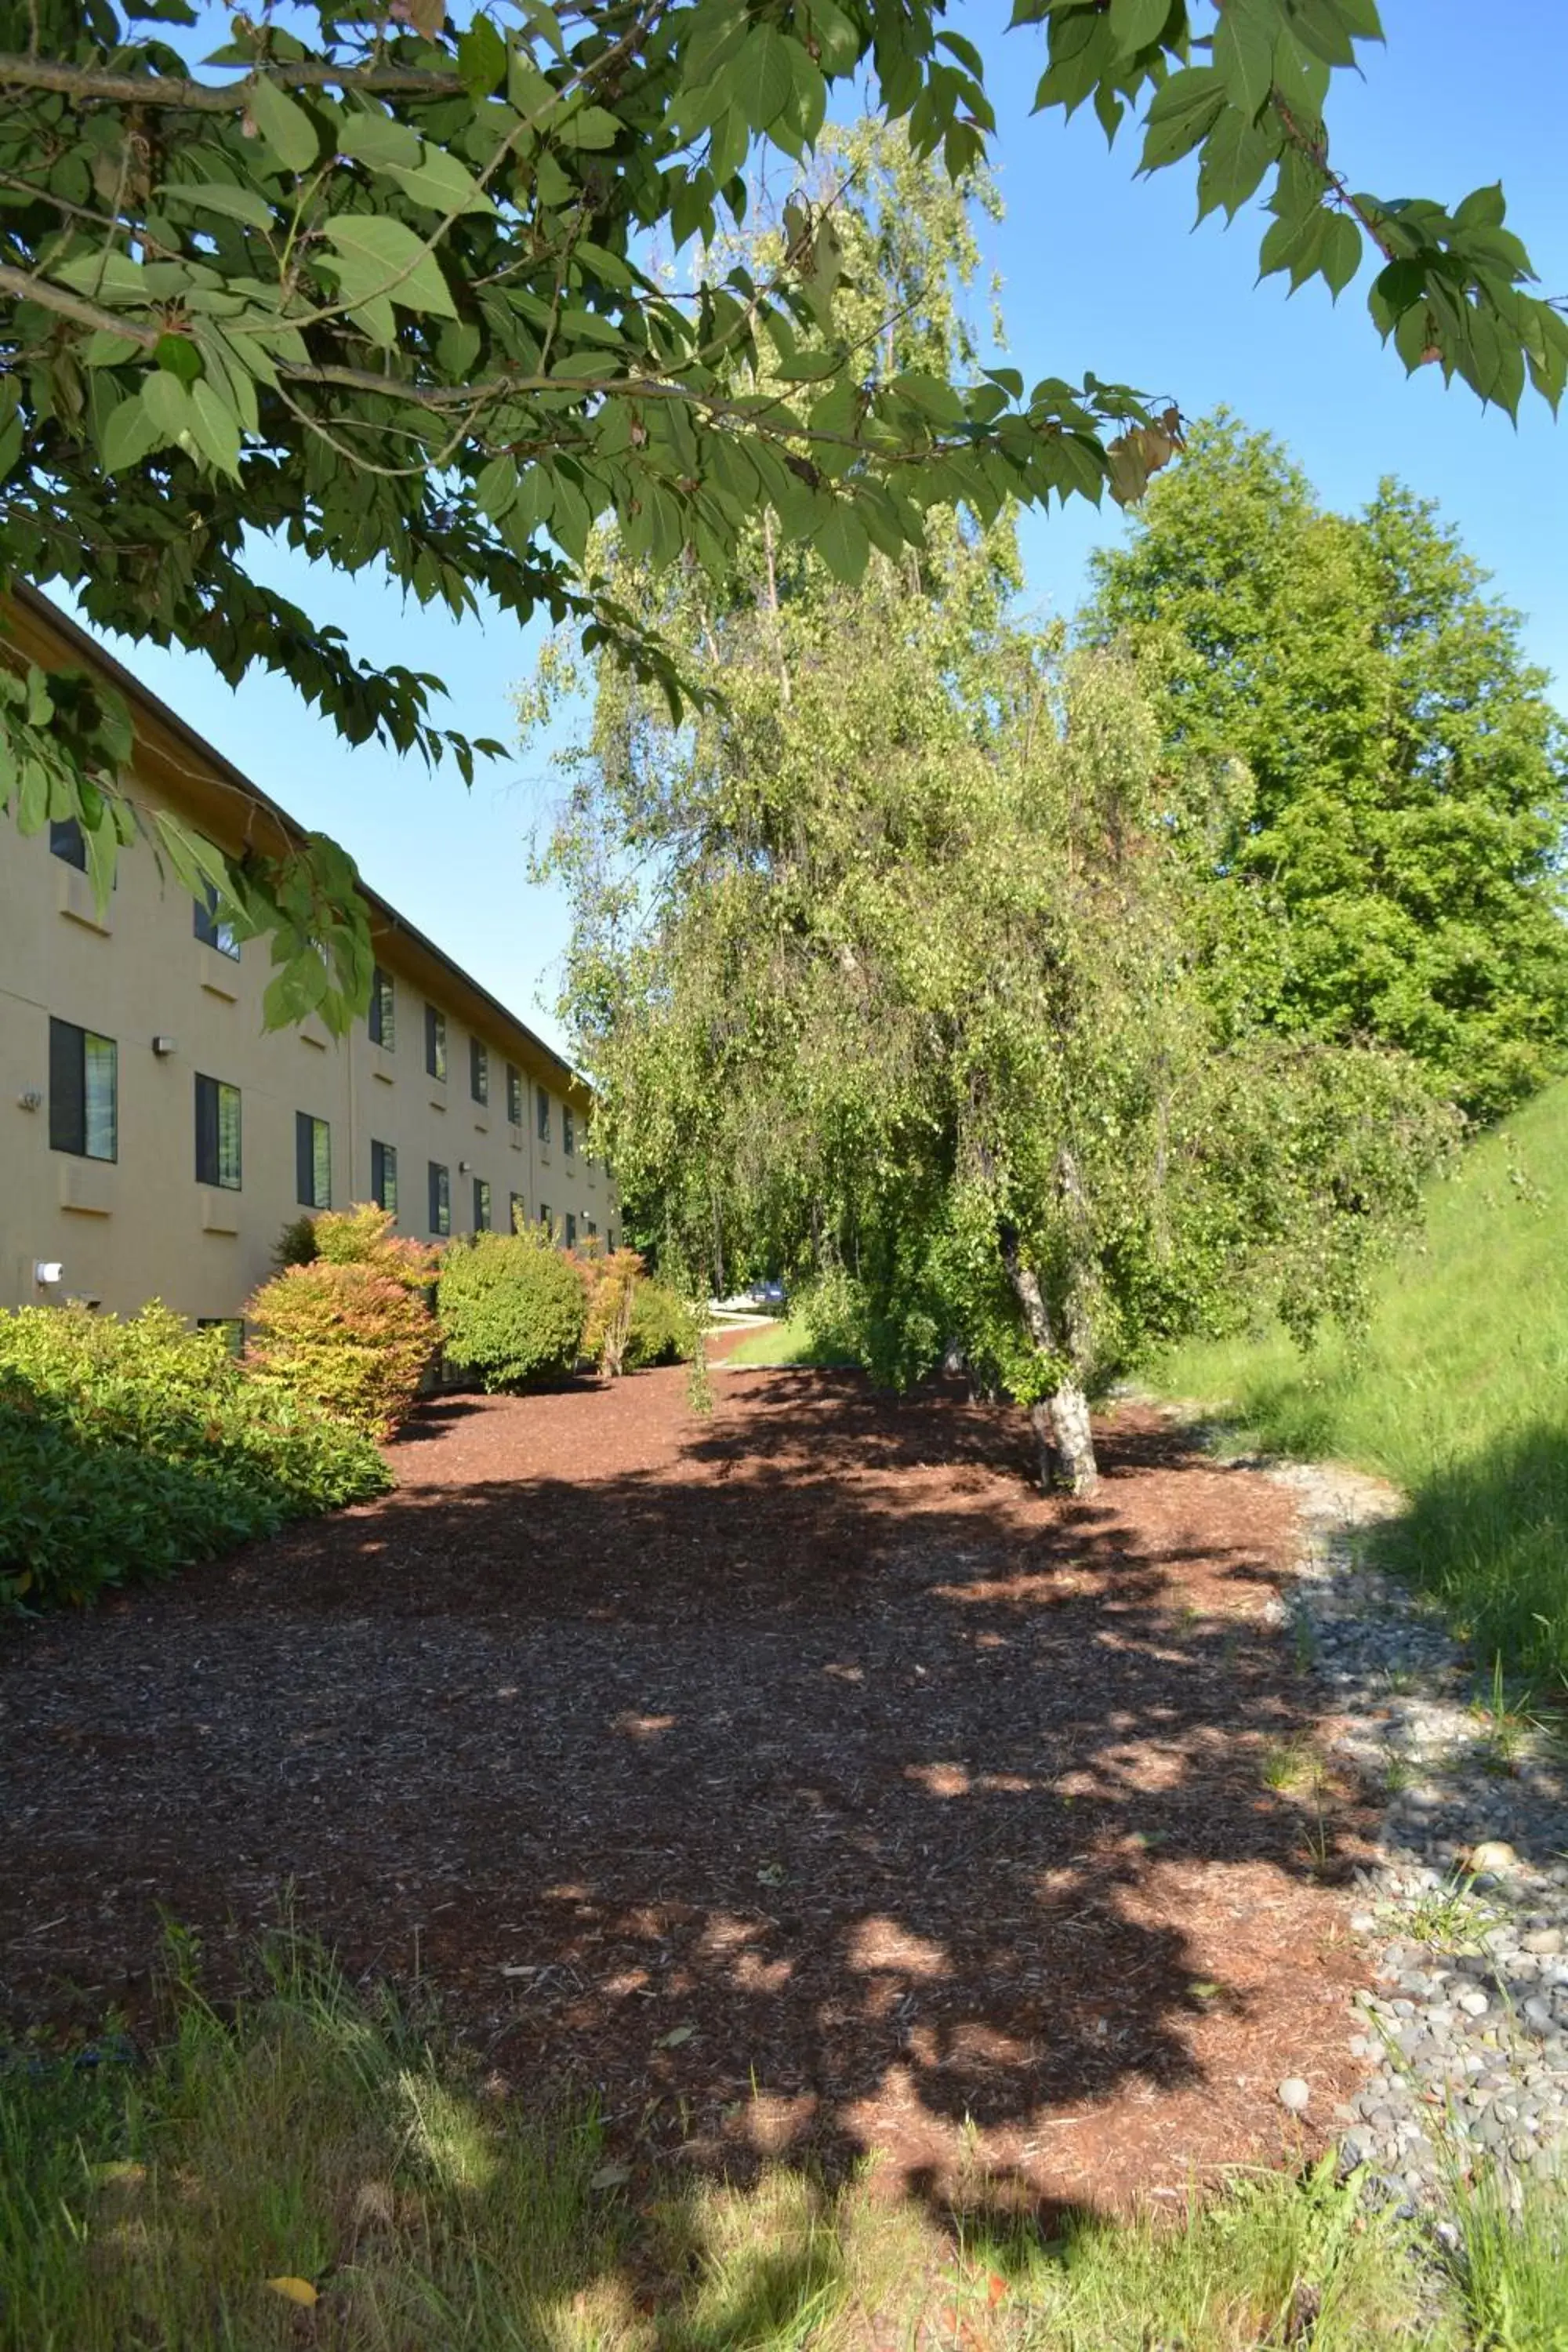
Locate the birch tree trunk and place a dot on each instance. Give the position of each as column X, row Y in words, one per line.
column 1060, row 1420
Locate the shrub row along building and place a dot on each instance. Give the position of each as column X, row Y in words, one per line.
column 154, row 1138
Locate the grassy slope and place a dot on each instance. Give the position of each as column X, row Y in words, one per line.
column 785, row 1343
column 1459, row 1394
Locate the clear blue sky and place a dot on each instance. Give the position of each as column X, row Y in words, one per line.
column 1099, row 271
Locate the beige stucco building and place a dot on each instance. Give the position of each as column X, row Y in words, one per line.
column 154, row 1138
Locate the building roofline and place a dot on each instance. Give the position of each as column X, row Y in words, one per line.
column 49, row 615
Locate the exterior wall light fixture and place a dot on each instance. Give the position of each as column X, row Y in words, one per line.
column 163, row 1047
column 48, row 1271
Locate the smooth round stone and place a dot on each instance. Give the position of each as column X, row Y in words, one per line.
column 1474, row 2004
column 1294, row 2094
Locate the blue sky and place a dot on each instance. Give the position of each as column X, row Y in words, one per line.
column 1099, row 271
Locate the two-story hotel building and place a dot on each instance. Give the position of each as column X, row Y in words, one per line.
column 154, row 1138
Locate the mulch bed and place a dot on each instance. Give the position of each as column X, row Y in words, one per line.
column 798, row 1779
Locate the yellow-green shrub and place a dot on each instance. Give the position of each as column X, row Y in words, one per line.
column 511, row 1309
column 351, row 1338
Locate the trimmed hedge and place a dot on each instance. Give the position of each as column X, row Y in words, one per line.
column 130, row 1449
column 511, row 1309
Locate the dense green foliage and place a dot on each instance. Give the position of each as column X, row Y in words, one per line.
column 1457, row 1393
column 663, row 1329
column 512, row 1308
column 302, row 2164
column 375, row 287
column 902, row 958
column 1393, row 780
column 130, row 1449
column 363, row 1235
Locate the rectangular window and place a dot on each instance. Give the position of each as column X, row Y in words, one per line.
column 218, row 1133
column 481, row 1205
column 231, row 1325
column 210, row 927
column 383, row 1176
column 440, row 1200
column 478, row 1070
column 593, row 1230
column 546, row 1219
column 519, row 1207
column 313, row 1161
column 514, row 1094
column 435, row 1043
column 568, row 1130
column 84, row 1092
column 383, row 1010
column 570, row 1230
column 65, row 841
column 541, row 1113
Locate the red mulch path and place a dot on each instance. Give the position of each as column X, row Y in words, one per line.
column 799, row 1779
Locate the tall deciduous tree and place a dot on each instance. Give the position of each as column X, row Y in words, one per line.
column 383, row 288
column 1399, row 833
column 894, row 960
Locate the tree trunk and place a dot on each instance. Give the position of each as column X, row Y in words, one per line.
column 1060, row 1420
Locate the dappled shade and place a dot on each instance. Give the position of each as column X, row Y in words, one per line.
column 799, row 1781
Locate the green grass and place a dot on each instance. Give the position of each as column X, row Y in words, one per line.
column 1459, row 1393
column 306, row 2170
column 790, row 1342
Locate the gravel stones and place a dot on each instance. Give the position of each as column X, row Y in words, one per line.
column 1466, row 1903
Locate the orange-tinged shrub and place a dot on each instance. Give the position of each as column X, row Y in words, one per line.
column 350, row 1337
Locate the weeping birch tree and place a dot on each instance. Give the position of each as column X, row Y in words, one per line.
column 902, row 962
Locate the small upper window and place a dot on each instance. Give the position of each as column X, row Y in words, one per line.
column 541, row 1113
column 435, row 1041
column 218, row 1133
column 479, row 1069
column 214, row 929
column 84, row 1092
column 65, row 841
column 568, row 1130
column 514, row 1094
column 313, row 1161
column 383, row 1010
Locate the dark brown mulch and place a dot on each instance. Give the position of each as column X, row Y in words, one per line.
column 798, row 1778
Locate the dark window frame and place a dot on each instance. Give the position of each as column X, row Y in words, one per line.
column 570, row 1228
column 439, row 1185
column 67, row 841
column 211, row 1094
column 70, row 1092
column 482, row 1197
column 516, row 1201
column 568, row 1131
column 212, row 930
column 513, row 1094
column 541, row 1113
column 310, row 1132
column 382, row 1163
column 382, row 1016
column 480, row 1070
column 435, row 1043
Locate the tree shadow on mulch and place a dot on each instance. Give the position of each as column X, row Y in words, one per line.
column 795, row 1781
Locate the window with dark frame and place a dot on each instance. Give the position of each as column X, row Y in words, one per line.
column 479, row 1069
column 514, row 1094
column 568, row 1130
column 436, row 1043
column 592, row 1230
column 384, row 1175
column 212, row 929
column 570, row 1230
column 313, row 1161
column 517, row 1207
column 541, row 1113
column 546, row 1219
column 84, row 1092
column 440, row 1201
column 383, row 1016
column 481, row 1205
column 68, row 842
column 218, row 1133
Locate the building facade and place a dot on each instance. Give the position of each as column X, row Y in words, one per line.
column 154, row 1138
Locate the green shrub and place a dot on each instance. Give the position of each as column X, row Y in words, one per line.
column 512, row 1308
column 346, row 1336
column 130, row 1449
column 663, row 1328
column 361, row 1236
